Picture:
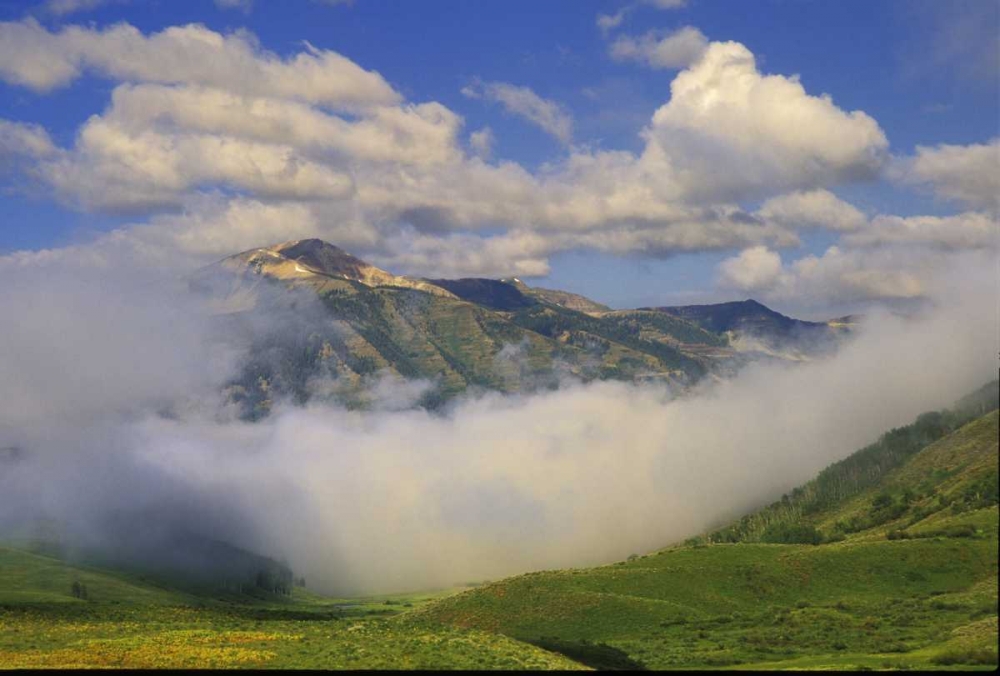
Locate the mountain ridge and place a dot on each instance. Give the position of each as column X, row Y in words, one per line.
column 348, row 320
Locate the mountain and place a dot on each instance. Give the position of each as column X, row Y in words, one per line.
column 318, row 321
column 752, row 326
column 570, row 301
column 887, row 560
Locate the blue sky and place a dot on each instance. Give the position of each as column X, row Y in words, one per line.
column 923, row 71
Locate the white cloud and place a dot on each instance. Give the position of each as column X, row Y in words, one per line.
column 969, row 230
column 754, row 268
column 846, row 277
column 111, row 168
column 18, row 139
column 520, row 254
column 656, row 49
column 34, row 57
column 812, row 209
column 412, row 134
column 405, row 187
column 966, row 174
column 607, row 22
column 836, row 276
column 730, row 131
column 482, row 142
column 547, row 115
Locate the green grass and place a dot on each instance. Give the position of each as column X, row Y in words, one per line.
column 743, row 604
column 33, row 579
column 129, row 622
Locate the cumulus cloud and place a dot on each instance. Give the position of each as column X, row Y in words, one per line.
column 545, row 114
column 114, row 169
column 969, row 230
column 729, row 129
column 33, row 56
column 404, row 184
column 754, row 268
column 482, row 142
column 967, row 174
column 903, row 274
column 19, row 139
column 656, row 49
column 812, row 209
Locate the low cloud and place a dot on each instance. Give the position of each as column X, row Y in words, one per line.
column 111, row 389
column 969, row 175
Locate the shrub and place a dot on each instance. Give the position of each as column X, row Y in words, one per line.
column 79, row 590
column 971, row 656
column 786, row 533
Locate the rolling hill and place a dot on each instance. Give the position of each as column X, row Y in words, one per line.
column 318, row 321
column 60, row 616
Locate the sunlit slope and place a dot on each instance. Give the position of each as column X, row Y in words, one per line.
column 27, row 578
column 325, row 323
column 121, row 621
column 321, row 322
column 866, row 600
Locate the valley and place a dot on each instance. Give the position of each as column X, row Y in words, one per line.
column 894, row 570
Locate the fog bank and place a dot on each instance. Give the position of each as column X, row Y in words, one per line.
column 116, row 406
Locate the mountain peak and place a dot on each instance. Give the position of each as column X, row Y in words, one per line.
column 312, row 262
column 746, row 315
column 322, row 257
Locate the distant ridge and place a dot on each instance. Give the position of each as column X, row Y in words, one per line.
column 738, row 315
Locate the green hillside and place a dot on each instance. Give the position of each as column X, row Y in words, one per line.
column 864, row 492
column 917, row 589
column 33, row 579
